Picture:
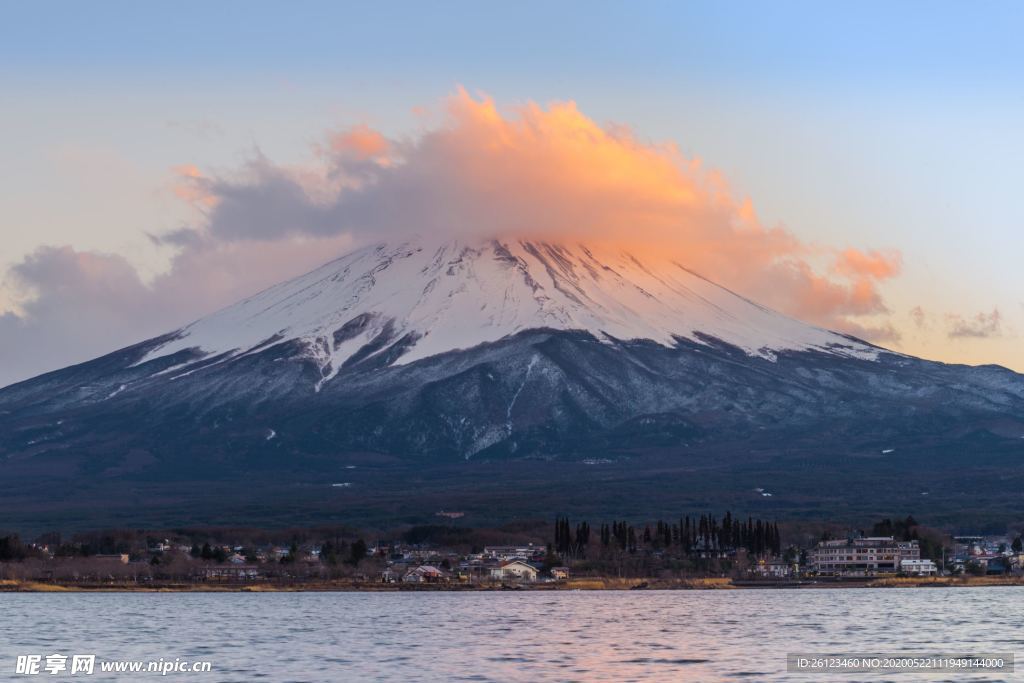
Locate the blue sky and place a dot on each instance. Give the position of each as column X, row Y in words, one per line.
column 869, row 124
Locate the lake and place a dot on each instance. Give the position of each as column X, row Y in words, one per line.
column 510, row 636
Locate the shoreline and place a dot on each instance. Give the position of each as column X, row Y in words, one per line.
column 580, row 584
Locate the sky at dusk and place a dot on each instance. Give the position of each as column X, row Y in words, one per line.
column 857, row 167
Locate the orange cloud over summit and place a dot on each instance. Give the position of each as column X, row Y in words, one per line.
column 190, row 186
column 550, row 173
column 873, row 264
column 361, row 142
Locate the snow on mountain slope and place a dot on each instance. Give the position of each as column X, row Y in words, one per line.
column 401, row 303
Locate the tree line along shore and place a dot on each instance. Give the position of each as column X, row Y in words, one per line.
column 688, row 552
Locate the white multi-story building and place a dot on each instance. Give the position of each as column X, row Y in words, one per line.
column 862, row 556
column 919, row 567
column 509, row 552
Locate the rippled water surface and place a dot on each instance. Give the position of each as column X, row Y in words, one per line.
column 502, row 636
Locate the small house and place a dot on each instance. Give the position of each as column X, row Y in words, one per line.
column 425, row 574
column 514, row 570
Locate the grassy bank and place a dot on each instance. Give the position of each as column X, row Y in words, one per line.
column 946, row 581
column 583, row 583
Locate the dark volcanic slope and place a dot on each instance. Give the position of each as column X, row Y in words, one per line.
column 631, row 428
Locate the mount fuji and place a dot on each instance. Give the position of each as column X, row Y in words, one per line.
column 428, row 373
column 405, row 303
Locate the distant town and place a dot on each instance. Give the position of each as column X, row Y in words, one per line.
column 701, row 551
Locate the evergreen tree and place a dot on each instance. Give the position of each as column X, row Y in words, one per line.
column 329, row 553
column 883, row 528
column 582, row 535
column 293, row 554
column 622, row 534
column 550, row 559
column 11, row 548
column 563, row 536
column 357, row 552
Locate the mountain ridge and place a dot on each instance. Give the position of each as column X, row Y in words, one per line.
column 276, row 397
column 452, row 295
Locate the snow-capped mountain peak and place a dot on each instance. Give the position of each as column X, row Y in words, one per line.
column 404, row 302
